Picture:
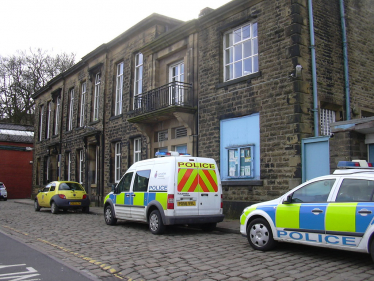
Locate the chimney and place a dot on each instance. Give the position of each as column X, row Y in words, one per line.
column 205, row 11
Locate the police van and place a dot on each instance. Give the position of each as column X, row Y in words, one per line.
column 172, row 189
column 334, row 211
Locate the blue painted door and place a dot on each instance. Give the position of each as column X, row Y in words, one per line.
column 315, row 157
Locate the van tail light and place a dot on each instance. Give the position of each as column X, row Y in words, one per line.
column 171, row 201
column 62, row 196
column 84, row 196
column 221, row 202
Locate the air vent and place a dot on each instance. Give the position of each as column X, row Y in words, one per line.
column 180, row 132
column 163, row 136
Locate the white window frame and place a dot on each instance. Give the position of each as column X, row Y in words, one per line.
column 137, row 149
column 138, row 81
column 326, row 118
column 41, row 122
column 81, row 161
column 83, row 103
column 117, row 161
column 97, row 96
column 240, row 52
column 119, row 89
column 69, row 166
column 71, row 108
column 177, row 78
column 57, row 115
column 48, row 119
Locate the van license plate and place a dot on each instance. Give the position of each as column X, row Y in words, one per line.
column 75, row 203
column 188, row 203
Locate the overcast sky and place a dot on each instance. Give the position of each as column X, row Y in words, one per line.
column 79, row 26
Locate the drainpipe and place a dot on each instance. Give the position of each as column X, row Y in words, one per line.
column 314, row 71
column 345, row 58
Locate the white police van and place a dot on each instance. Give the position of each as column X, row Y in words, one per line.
column 334, row 211
column 171, row 189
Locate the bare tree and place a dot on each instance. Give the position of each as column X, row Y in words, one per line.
column 23, row 74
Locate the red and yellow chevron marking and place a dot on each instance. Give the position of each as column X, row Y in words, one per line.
column 197, row 180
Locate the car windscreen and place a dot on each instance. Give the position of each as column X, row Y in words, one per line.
column 70, row 186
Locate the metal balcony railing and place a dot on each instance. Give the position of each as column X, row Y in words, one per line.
column 172, row 94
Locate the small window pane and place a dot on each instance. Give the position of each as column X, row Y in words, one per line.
column 238, row 69
column 246, row 32
column 254, row 30
column 255, row 64
column 233, row 162
column 229, row 72
column 229, row 56
column 238, row 52
column 247, row 48
column 255, row 46
column 248, row 66
column 237, row 35
column 228, row 40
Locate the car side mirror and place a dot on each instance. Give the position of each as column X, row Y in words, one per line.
column 288, row 200
column 39, row 191
column 113, row 187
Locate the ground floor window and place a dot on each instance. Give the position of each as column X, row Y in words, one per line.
column 137, row 149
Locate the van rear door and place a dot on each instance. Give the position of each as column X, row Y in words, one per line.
column 210, row 187
column 199, row 191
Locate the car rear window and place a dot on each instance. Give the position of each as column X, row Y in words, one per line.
column 356, row 190
column 70, row 186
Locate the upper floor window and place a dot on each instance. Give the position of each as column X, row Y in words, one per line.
column 326, row 118
column 57, row 114
column 83, row 102
column 49, row 112
column 71, row 108
column 240, row 51
column 119, row 88
column 41, row 117
column 96, row 97
column 138, row 84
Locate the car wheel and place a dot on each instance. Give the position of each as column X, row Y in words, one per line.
column 5, row 199
column 259, row 235
column 372, row 249
column 36, row 206
column 156, row 225
column 54, row 208
column 108, row 216
column 86, row 210
column 208, row 226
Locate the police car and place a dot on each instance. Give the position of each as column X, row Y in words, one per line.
column 334, row 211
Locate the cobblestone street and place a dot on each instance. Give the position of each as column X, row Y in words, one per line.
column 129, row 251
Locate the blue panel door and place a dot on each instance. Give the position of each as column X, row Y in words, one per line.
column 315, row 157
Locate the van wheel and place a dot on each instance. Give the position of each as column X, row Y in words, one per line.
column 108, row 216
column 208, row 226
column 86, row 209
column 36, row 206
column 54, row 208
column 259, row 235
column 155, row 223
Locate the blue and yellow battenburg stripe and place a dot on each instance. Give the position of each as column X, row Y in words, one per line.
column 339, row 217
column 140, row 198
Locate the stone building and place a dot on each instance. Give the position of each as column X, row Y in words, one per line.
column 255, row 84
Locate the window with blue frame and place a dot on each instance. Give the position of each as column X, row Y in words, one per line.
column 240, row 148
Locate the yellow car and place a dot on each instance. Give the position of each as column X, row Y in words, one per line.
column 62, row 195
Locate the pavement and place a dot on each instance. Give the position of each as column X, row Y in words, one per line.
column 227, row 226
